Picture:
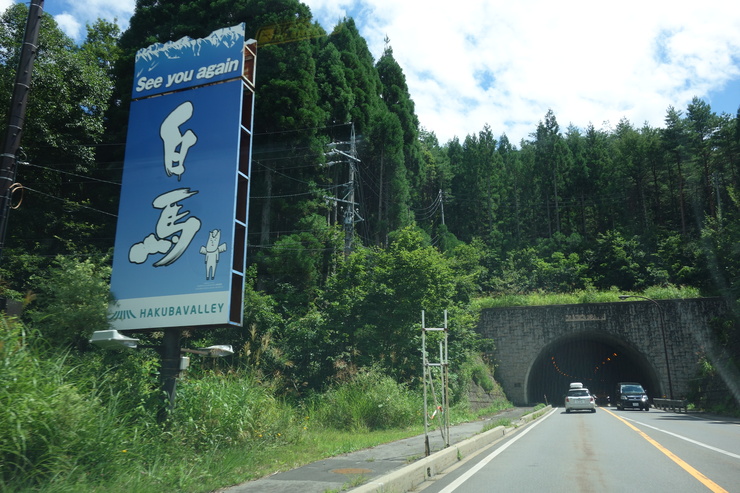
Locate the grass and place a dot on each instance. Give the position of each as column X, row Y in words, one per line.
column 506, row 423
column 233, row 466
column 187, row 469
column 584, row 296
column 84, row 423
column 167, row 467
column 80, row 424
column 352, row 483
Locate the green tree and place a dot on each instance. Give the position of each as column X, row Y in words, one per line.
column 395, row 94
column 477, row 189
column 71, row 301
column 601, row 186
column 727, row 157
column 434, row 191
column 655, row 162
column 335, row 94
column 374, row 303
column 675, row 142
column 631, row 166
column 491, row 182
column 721, row 248
column 101, row 45
column 701, row 125
column 287, row 145
column 69, row 95
column 618, row 261
column 551, row 161
column 388, row 203
column 525, row 203
column 359, row 72
column 512, row 191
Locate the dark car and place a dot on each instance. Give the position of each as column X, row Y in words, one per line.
column 631, row 395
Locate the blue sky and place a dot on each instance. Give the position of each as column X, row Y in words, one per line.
column 504, row 63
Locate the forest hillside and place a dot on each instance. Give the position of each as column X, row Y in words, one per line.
column 434, row 226
column 334, row 295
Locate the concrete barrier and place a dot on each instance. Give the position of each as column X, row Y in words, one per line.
column 411, row 476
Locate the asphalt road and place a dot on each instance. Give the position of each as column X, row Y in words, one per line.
column 334, row 473
column 608, row 451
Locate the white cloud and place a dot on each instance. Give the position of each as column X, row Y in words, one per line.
column 506, row 63
column 71, row 26
column 89, row 11
column 73, row 15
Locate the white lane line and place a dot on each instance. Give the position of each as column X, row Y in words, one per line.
column 715, row 449
column 459, row 481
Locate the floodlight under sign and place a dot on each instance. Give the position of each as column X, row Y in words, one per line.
column 217, row 351
column 112, row 339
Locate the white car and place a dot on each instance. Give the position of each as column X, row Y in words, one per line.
column 579, row 399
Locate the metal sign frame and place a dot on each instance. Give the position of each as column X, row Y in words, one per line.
column 444, row 408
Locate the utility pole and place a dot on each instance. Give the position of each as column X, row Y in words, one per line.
column 349, row 210
column 350, row 213
column 442, row 203
column 18, row 104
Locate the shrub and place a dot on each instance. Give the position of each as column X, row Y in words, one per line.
column 472, row 370
column 369, row 401
column 216, row 410
column 71, row 301
column 482, row 377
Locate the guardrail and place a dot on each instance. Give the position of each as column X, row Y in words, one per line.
column 672, row 404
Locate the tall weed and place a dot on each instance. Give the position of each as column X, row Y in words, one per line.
column 220, row 410
column 370, row 401
column 50, row 428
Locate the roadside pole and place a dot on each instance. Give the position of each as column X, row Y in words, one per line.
column 18, row 104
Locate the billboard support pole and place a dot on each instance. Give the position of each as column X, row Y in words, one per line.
column 169, row 370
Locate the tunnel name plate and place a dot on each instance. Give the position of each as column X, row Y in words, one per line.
column 585, row 317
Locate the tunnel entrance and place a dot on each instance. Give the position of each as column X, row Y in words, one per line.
column 597, row 360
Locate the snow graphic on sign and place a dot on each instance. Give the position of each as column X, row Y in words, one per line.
column 187, row 62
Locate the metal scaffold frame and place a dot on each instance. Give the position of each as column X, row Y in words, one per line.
column 443, row 365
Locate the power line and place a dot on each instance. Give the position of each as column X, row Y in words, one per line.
column 70, row 202
column 287, row 249
column 275, row 132
column 70, row 173
column 283, row 196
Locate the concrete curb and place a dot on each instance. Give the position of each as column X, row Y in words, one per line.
column 411, row 476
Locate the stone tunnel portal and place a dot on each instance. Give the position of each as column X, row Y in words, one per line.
column 597, row 360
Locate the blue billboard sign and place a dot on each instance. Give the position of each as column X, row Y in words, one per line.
column 186, row 63
column 180, row 249
column 172, row 265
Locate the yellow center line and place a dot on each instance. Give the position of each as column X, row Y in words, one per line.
column 686, row 467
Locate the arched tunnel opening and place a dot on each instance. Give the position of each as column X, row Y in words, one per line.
column 597, row 360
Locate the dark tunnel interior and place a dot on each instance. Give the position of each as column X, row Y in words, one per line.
column 598, row 361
